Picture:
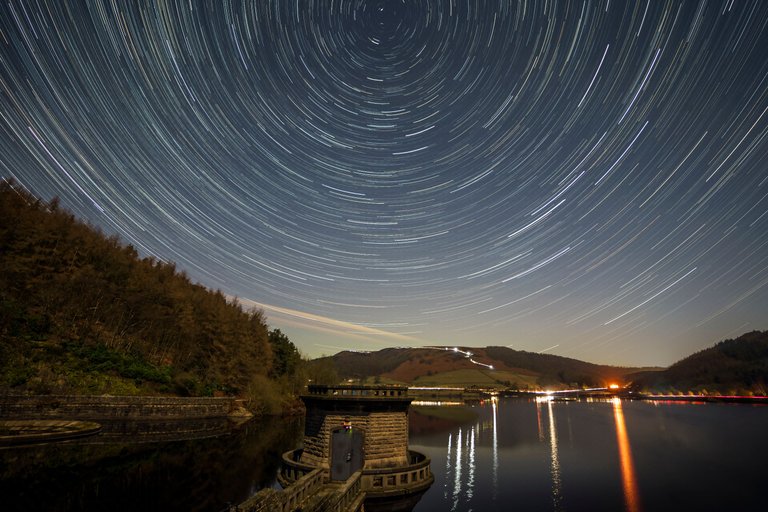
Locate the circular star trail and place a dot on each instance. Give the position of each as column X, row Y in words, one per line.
column 583, row 178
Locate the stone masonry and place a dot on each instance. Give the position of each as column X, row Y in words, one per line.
column 115, row 407
column 383, row 421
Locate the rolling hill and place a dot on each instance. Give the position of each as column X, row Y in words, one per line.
column 732, row 366
column 499, row 367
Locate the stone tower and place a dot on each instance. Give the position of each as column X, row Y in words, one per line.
column 364, row 429
column 379, row 414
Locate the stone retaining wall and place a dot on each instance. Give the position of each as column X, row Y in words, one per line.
column 116, row 407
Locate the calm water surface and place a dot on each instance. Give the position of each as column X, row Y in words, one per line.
column 609, row 455
column 151, row 466
column 509, row 455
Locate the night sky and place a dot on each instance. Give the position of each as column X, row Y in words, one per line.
column 581, row 179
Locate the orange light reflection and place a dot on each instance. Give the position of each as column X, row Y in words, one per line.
column 631, row 493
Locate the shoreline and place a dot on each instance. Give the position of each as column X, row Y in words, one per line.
column 732, row 399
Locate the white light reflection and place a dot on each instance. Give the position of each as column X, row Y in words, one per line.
column 557, row 498
column 465, row 454
column 471, row 465
column 538, row 420
column 448, row 465
column 457, row 473
column 495, row 449
column 437, row 403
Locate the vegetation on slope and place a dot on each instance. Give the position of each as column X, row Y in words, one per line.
column 358, row 365
column 82, row 313
column 511, row 368
column 737, row 366
column 556, row 370
column 733, row 366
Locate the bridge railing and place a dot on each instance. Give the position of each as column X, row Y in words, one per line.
column 271, row 500
column 293, row 469
column 302, row 488
column 392, row 481
column 354, row 492
column 357, row 391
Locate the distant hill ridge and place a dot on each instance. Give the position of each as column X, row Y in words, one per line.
column 489, row 366
column 731, row 366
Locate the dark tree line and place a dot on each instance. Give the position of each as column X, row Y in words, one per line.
column 732, row 366
column 80, row 312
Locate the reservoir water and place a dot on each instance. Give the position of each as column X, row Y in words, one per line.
column 168, row 466
column 593, row 456
column 520, row 455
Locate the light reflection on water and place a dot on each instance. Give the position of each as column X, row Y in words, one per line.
column 457, row 471
column 471, row 465
column 557, row 498
column 448, row 464
column 629, row 482
column 460, row 463
column 601, row 455
column 538, row 421
column 495, row 449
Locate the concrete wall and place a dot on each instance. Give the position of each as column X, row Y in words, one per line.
column 115, row 407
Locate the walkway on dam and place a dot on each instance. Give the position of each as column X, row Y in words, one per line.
column 310, row 493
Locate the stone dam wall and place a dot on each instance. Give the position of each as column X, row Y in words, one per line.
column 116, row 407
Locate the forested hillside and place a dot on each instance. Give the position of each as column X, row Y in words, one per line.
column 733, row 366
column 82, row 313
column 560, row 369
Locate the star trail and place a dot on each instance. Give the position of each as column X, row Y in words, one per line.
column 583, row 178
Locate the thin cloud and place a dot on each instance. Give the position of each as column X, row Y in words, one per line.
column 329, row 325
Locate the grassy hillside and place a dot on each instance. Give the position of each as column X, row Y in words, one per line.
column 733, row 366
column 485, row 378
column 82, row 313
column 737, row 366
column 438, row 366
